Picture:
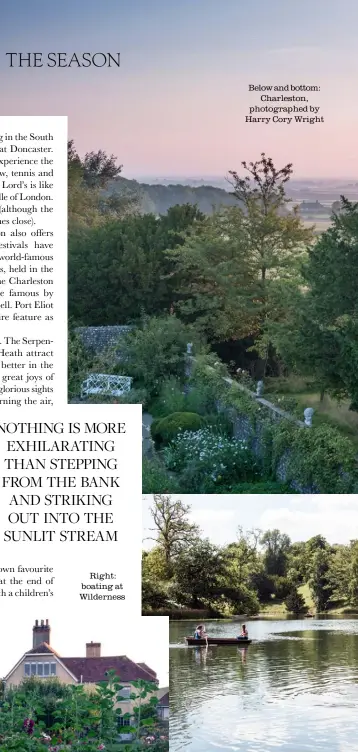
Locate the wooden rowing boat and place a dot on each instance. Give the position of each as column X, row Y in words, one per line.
column 243, row 641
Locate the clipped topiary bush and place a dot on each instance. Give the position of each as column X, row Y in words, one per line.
column 164, row 430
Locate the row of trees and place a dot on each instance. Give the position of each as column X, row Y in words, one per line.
column 185, row 569
column 250, row 272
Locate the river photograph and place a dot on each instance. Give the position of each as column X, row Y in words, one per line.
column 262, row 598
column 294, row 688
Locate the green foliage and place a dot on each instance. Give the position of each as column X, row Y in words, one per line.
column 320, row 582
column 235, row 267
column 79, row 363
column 154, row 595
column 260, row 487
column 206, row 459
column 282, row 586
column 154, row 351
column 197, row 573
column 319, row 458
column 157, row 479
column 118, row 268
column 295, row 603
column 276, row 546
column 165, row 430
column 173, row 399
column 172, row 527
column 320, row 338
column 43, row 714
column 88, row 203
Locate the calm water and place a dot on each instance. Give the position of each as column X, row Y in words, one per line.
column 295, row 689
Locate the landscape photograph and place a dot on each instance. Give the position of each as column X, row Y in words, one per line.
column 263, row 605
column 234, row 327
column 212, row 267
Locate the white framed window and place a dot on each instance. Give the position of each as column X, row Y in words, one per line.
column 125, row 693
column 42, row 670
column 123, row 721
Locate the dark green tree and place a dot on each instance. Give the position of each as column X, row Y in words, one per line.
column 295, row 603
column 320, row 581
column 321, row 333
column 119, row 270
column 198, row 572
column 276, row 547
column 235, row 267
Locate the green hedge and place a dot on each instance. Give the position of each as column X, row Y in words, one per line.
column 164, row 430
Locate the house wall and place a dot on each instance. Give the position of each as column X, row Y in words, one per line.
column 127, row 706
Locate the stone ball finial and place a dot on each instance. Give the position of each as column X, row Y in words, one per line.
column 259, row 388
column 308, row 415
column 189, row 348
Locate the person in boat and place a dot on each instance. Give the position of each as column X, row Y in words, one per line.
column 244, row 632
column 200, row 632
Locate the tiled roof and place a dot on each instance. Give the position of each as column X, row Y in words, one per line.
column 147, row 668
column 42, row 649
column 164, row 701
column 89, row 670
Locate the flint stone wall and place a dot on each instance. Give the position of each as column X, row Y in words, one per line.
column 98, row 338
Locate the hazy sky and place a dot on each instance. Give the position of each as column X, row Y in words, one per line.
column 301, row 517
column 178, row 103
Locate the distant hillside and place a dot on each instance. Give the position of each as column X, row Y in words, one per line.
column 157, row 199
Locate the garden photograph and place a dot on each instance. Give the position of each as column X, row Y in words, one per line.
column 90, row 696
column 47, row 716
column 234, row 327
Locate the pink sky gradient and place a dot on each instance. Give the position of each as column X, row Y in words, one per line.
column 177, row 105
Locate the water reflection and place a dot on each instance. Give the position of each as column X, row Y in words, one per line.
column 294, row 688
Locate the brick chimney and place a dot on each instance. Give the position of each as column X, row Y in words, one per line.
column 93, row 650
column 40, row 633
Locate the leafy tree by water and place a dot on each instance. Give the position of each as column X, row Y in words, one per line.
column 198, row 572
column 242, row 556
column 172, row 527
column 320, row 583
column 276, row 547
column 295, row 603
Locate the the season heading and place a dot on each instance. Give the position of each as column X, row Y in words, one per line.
column 63, row 59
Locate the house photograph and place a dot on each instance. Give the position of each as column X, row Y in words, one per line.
column 118, row 695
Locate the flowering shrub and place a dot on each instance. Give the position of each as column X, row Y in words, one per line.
column 206, row 459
